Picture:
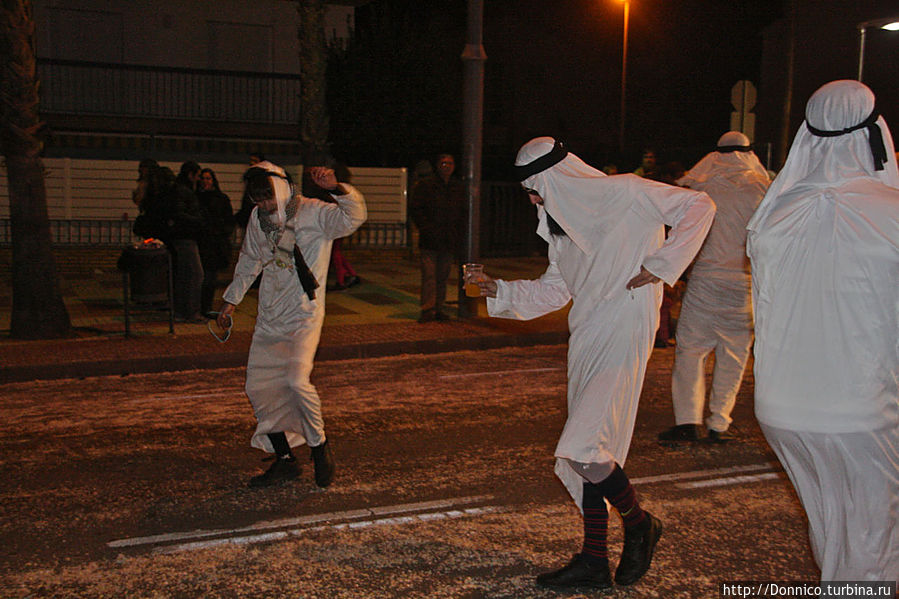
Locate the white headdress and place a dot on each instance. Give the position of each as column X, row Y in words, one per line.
column 842, row 138
column 733, row 153
column 282, row 188
column 568, row 186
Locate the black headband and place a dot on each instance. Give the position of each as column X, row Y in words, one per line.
column 726, row 149
column 554, row 156
column 875, row 137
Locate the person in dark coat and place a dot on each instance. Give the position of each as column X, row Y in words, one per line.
column 438, row 208
column 215, row 243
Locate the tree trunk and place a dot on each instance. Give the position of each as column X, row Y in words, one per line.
column 314, row 121
column 38, row 311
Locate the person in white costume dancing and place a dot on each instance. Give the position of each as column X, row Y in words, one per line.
column 716, row 315
column 824, row 246
column 288, row 239
column 607, row 252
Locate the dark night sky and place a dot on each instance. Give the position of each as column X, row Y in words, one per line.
column 555, row 68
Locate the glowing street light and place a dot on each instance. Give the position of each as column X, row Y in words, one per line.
column 627, row 5
column 890, row 24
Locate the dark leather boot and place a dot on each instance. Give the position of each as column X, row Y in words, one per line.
column 580, row 572
column 639, row 543
column 324, row 464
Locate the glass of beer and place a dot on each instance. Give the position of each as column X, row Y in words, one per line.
column 471, row 274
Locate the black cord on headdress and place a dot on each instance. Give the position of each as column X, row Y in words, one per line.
column 726, row 149
column 875, row 137
column 555, row 156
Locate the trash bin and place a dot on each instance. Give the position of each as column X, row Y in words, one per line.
column 146, row 280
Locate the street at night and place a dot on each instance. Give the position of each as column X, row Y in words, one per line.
column 136, row 486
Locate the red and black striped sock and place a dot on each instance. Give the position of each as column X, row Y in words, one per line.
column 618, row 490
column 596, row 525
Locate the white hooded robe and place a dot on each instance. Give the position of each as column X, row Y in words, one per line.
column 288, row 323
column 824, row 246
column 716, row 315
column 614, row 225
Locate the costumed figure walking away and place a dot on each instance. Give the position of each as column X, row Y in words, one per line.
column 607, row 253
column 288, row 240
column 824, row 246
column 716, row 314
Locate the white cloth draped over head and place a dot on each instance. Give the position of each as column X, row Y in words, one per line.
column 568, row 189
column 283, row 191
column 716, row 162
column 829, row 161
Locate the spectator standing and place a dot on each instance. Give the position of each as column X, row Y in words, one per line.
column 824, row 246
column 187, row 230
column 648, row 168
column 288, row 241
column 438, row 208
column 607, row 252
column 215, row 243
column 143, row 177
column 716, row 315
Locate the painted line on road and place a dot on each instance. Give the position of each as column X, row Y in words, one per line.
column 273, row 530
column 284, row 534
column 675, row 476
column 302, row 521
column 462, row 375
column 731, row 480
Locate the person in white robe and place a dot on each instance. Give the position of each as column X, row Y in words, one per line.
column 288, row 239
column 716, row 314
column 824, row 246
column 607, row 253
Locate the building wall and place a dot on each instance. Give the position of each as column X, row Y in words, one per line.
column 259, row 36
column 826, row 49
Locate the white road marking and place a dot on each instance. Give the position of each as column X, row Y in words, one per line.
column 645, row 480
column 731, row 480
column 376, row 512
column 462, row 375
column 391, row 515
column 283, row 534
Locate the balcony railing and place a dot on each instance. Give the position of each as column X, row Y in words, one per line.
column 117, row 90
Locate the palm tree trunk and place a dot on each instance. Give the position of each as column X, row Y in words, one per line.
column 38, row 311
column 314, row 122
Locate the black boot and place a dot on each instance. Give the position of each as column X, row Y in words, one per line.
column 580, row 572
column 639, row 543
column 324, row 464
column 281, row 470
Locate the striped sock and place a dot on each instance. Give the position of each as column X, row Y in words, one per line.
column 618, row 490
column 596, row 525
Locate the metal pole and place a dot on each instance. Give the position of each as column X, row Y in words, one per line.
column 627, row 5
column 861, row 50
column 473, row 58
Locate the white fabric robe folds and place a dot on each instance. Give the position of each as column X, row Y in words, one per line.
column 716, row 315
column 824, row 245
column 288, row 324
column 612, row 328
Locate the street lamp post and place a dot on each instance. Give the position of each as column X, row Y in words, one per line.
column 890, row 24
column 627, row 5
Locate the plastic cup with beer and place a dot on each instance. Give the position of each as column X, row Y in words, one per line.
column 471, row 274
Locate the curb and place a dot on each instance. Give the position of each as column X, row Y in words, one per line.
column 182, row 362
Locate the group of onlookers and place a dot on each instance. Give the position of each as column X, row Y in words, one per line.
column 191, row 215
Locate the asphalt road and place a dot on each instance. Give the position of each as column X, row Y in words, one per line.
column 136, row 486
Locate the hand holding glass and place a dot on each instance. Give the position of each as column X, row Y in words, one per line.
column 471, row 274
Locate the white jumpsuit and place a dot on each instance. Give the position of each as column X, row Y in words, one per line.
column 288, row 324
column 716, row 315
column 824, row 246
column 612, row 328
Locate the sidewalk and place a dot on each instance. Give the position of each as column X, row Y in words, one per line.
column 376, row 318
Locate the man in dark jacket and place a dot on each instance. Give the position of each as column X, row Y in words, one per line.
column 438, row 209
